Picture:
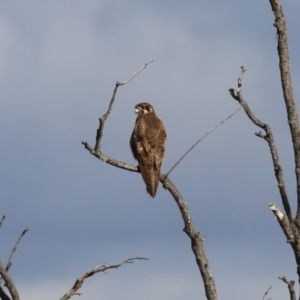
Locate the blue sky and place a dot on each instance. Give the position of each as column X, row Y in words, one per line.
column 59, row 61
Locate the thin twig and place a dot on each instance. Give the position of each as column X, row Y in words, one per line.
column 2, row 220
column 106, row 115
column 201, row 139
column 291, row 286
column 9, row 283
column 266, row 293
column 9, row 263
column 136, row 73
column 100, row 268
column 243, row 70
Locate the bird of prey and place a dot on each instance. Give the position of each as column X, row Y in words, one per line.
column 147, row 144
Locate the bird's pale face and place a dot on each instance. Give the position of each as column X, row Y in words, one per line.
column 143, row 108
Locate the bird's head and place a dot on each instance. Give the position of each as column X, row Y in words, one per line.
column 143, row 108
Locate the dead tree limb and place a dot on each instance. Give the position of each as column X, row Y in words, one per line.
column 3, row 295
column 292, row 114
column 289, row 225
column 291, row 286
column 4, row 271
column 106, row 115
column 100, row 268
column 9, row 262
column 196, row 239
column 283, row 222
column 286, row 83
column 2, row 220
column 266, row 292
column 9, row 283
column 268, row 137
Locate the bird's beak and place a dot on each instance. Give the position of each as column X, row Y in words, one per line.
column 137, row 110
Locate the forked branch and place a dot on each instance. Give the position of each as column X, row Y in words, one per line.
column 291, row 287
column 100, row 268
column 286, row 83
column 267, row 136
column 9, row 262
column 4, row 271
column 106, row 115
column 196, row 239
column 3, row 295
column 9, row 283
column 266, row 293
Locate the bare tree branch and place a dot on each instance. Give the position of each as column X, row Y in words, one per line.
column 96, row 151
column 266, row 293
column 201, row 139
column 196, row 239
column 291, row 286
column 286, row 82
column 289, row 226
column 292, row 114
column 3, row 295
column 9, row 263
column 284, row 223
column 9, row 283
column 100, row 268
column 106, row 115
column 2, row 220
column 109, row 160
column 268, row 136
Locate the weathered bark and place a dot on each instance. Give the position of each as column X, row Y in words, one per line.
column 196, row 240
column 288, row 224
column 292, row 114
column 9, row 283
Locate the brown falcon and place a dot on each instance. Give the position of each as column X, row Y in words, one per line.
column 147, row 144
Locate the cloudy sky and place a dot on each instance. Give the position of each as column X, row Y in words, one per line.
column 59, row 61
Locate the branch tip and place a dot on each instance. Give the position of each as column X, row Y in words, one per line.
column 100, row 268
column 2, row 220
column 267, row 291
column 291, row 286
column 200, row 140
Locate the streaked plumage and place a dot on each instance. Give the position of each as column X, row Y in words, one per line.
column 147, row 144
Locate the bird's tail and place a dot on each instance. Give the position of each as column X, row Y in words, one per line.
column 151, row 179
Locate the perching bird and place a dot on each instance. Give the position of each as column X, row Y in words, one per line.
column 147, row 144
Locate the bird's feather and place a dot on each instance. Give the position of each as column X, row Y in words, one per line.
column 148, row 145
